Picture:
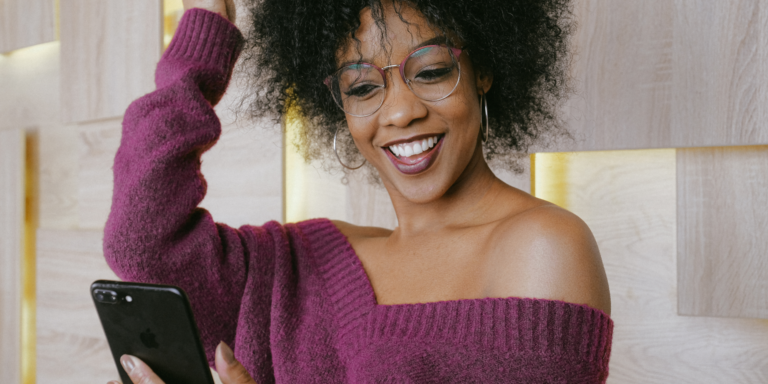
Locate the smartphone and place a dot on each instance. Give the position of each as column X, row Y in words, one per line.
column 154, row 323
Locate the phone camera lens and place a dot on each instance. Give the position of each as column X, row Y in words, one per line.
column 105, row 296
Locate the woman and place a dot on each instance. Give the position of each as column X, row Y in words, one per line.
column 480, row 282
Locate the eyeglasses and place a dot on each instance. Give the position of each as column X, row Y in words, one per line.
column 431, row 72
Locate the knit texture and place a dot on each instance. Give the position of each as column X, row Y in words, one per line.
column 293, row 300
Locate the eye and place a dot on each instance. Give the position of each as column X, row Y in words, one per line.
column 361, row 90
column 432, row 74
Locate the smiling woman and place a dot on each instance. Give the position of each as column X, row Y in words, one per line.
column 479, row 282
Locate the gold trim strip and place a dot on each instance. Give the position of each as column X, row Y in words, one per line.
column 28, row 267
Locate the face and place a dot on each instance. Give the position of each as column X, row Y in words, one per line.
column 449, row 127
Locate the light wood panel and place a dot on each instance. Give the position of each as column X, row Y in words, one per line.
column 661, row 74
column 722, row 222
column 97, row 145
column 243, row 170
column 623, row 74
column 519, row 178
column 628, row 200
column 24, row 23
column 29, row 87
column 71, row 343
column 57, row 177
column 108, row 57
column 71, row 347
column 720, row 88
column 368, row 204
column 11, row 247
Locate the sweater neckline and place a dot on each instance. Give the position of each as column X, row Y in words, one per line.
column 508, row 322
column 351, row 289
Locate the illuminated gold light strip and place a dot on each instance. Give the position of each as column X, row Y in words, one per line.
column 533, row 173
column 172, row 11
column 28, row 273
column 549, row 177
column 295, row 183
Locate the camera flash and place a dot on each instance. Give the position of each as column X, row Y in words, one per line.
column 128, row 298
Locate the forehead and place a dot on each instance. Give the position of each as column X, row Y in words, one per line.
column 387, row 38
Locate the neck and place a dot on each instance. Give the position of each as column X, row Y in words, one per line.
column 467, row 202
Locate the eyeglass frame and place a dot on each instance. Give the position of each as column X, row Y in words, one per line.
column 456, row 52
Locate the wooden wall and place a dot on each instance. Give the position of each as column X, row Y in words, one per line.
column 108, row 56
column 722, row 221
column 669, row 74
column 68, row 261
column 628, row 199
column 26, row 78
column 679, row 230
column 105, row 59
column 24, row 23
column 11, row 248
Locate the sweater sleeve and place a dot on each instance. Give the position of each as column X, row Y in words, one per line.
column 155, row 232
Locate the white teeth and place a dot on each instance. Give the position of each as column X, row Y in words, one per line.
column 414, row 148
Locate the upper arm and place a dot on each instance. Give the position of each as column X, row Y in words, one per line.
column 550, row 253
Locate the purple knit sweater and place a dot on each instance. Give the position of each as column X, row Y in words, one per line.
column 293, row 300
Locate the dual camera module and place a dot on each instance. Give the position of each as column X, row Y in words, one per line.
column 110, row 297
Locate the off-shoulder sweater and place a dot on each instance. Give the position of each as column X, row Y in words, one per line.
column 293, row 300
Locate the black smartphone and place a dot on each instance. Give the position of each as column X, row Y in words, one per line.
column 154, row 323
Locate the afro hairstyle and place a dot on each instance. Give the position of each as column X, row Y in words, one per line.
column 292, row 46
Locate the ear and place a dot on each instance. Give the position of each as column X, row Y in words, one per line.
column 483, row 80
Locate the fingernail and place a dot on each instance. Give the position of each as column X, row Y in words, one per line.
column 127, row 363
column 227, row 353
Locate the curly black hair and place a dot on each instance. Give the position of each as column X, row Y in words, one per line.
column 292, row 47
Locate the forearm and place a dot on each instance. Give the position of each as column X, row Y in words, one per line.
column 158, row 184
column 155, row 232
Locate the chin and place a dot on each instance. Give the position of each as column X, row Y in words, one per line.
column 421, row 190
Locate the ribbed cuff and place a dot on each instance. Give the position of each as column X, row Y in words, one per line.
column 206, row 37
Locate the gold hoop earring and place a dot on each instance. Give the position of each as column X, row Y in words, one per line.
column 339, row 158
column 484, row 111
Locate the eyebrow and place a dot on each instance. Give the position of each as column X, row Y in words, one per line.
column 437, row 40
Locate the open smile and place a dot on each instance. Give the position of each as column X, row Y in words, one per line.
column 416, row 155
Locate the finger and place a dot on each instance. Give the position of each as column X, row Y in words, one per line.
column 231, row 10
column 230, row 370
column 138, row 371
column 217, row 6
column 114, row 382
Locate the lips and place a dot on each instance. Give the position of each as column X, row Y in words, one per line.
column 423, row 153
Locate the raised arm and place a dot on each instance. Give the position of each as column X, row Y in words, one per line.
column 155, row 232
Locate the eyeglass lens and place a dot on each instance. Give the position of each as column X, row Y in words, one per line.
column 431, row 73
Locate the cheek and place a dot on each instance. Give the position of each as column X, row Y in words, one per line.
column 462, row 116
column 363, row 131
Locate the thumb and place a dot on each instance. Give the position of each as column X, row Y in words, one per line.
column 230, row 370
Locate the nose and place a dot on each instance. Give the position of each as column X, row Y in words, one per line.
column 401, row 107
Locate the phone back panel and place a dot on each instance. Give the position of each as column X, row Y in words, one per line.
column 154, row 323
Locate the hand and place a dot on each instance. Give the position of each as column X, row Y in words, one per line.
column 230, row 370
column 224, row 8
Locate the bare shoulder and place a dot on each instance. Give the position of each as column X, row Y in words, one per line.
column 357, row 233
column 547, row 252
